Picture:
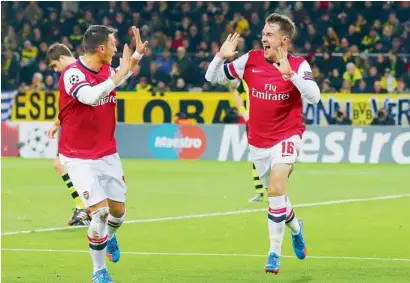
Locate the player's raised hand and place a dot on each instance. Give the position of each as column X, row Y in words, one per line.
column 141, row 47
column 229, row 46
column 125, row 61
column 282, row 58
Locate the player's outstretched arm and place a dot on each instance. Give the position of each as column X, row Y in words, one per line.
column 90, row 95
column 302, row 79
column 218, row 72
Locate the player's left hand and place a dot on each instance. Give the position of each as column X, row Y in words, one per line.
column 283, row 67
column 141, row 47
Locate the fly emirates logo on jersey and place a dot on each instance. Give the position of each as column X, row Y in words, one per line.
column 107, row 99
column 269, row 93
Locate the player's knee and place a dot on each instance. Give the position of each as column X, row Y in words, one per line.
column 277, row 184
column 276, row 189
column 101, row 214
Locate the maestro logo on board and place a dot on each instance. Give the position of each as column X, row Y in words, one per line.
column 177, row 142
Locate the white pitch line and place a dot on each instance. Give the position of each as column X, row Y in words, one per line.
column 209, row 254
column 190, row 216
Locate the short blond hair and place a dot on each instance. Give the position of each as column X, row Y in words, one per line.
column 286, row 25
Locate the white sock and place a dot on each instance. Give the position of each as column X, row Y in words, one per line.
column 113, row 224
column 291, row 221
column 98, row 237
column 276, row 223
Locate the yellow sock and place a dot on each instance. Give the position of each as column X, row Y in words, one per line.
column 257, row 182
column 73, row 192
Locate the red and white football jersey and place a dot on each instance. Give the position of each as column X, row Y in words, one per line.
column 275, row 103
column 87, row 131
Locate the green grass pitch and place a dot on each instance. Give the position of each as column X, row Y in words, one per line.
column 367, row 240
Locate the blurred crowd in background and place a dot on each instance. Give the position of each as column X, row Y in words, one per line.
column 353, row 47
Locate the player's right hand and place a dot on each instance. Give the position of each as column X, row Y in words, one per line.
column 125, row 61
column 229, row 46
column 52, row 131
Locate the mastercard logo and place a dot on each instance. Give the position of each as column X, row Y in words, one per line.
column 177, row 142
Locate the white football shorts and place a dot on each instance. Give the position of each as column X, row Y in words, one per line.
column 97, row 179
column 286, row 151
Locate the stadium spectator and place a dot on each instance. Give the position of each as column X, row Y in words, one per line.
column 319, row 77
column 300, row 12
column 383, row 118
column 282, row 9
column 377, row 88
column 10, row 70
column 406, row 77
column 240, row 23
column 156, row 75
column 361, row 87
column 397, row 65
column 344, row 32
column 336, row 79
column 370, row 40
column 165, row 61
column 179, row 85
column 185, row 65
column 44, row 70
column 373, row 76
column 352, row 74
column 33, row 11
column 49, row 83
column 341, row 119
column 346, row 87
column 326, row 88
column 401, row 87
column 76, row 37
column 36, row 83
column 25, row 33
column 9, row 37
column 388, row 81
column 28, row 60
column 160, row 89
column 143, row 87
column 352, row 35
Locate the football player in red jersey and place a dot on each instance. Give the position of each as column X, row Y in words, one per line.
column 277, row 82
column 87, row 147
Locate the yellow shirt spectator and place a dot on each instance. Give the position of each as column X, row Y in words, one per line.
column 143, row 87
column 388, row 81
column 352, row 74
column 240, row 23
column 29, row 52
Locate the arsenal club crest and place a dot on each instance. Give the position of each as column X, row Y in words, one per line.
column 86, row 195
